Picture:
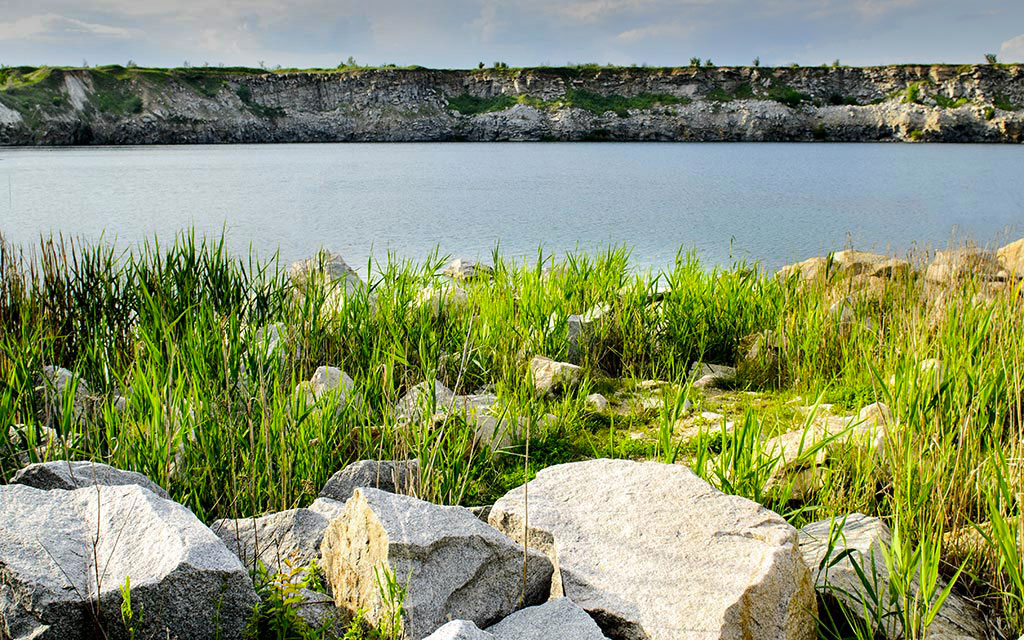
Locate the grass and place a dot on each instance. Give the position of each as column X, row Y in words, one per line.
column 467, row 104
column 213, row 417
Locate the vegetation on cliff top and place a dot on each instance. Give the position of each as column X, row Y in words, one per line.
column 212, row 413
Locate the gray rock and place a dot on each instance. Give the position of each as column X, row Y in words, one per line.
column 711, row 375
column 33, row 442
column 865, row 537
column 597, row 402
column 327, row 507
column 317, row 610
column 460, row 630
column 331, row 380
column 550, row 377
column 393, row 476
column 54, row 543
column 651, row 551
column 58, row 384
column 561, row 617
column 582, row 330
column 70, row 475
column 491, row 427
column 416, row 405
column 281, row 542
column 329, row 267
column 445, row 297
column 455, row 567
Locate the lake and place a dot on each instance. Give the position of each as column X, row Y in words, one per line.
column 772, row 203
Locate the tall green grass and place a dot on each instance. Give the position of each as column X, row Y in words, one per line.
column 212, row 414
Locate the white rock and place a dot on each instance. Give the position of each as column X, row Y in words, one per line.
column 866, row 537
column 69, row 475
column 597, row 402
column 326, row 267
column 39, row 441
column 711, row 375
column 417, row 404
column 1011, row 257
column 55, row 543
column 454, row 566
column 561, row 617
column 460, row 269
column 652, row 551
column 333, row 382
column 448, row 298
column 549, row 376
column 954, row 265
column 460, row 630
column 58, row 383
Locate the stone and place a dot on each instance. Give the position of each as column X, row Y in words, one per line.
column 561, row 617
column 491, row 427
column 281, row 542
column 70, row 475
column 447, row 298
column 808, row 270
column 711, row 376
column 317, row 610
column 328, row 268
column 269, row 340
column 393, row 476
column 460, row 630
column 58, row 383
column 550, row 377
column 1011, row 258
column 454, row 566
column 417, row 404
column 38, row 441
column 956, row 265
column 651, row 551
column 327, row 507
column 597, row 402
column 865, row 538
column 332, row 382
column 54, row 543
column 583, row 331
column 460, row 269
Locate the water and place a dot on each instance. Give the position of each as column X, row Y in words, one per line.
column 772, row 203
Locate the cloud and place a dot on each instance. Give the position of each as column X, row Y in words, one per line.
column 1013, row 49
column 655, row 31
column 487, row 23
column 54, row 26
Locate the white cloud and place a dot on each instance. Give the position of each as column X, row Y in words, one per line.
column 670, row 30
column 1013, row 49
column 54, row 26
column 487, row 24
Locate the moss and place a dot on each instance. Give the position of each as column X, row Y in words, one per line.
column 595, row 103
column 1000, row 102
column 947, row 102
column 916, row 135
column 990, row 113
column 469, row 105
column 787, row 95
column 205, row 84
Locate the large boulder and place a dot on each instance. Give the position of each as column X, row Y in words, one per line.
column 283, row 543
column 560, row 618
column 651, row 551
column 462, row 269
column 857, row 541
column 550, row 377
column 460, row 630
column 955, row 265
column 54, row 544
column 394, row 476
column 1011, row 257
column 327, row 268
column 454, row 566
column 70, row 475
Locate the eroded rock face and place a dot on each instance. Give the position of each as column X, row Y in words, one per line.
column 455, row 566
column 281, row 542
column 560, row 617
column 70, row 475
column 866, row 537
column 651, row 551
column 1011, row 257
column 193, row 588
column 393, row 476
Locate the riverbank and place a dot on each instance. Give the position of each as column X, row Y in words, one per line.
column 850, row 383
column 119, row 106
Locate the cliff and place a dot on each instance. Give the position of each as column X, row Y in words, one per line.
column 115, row 105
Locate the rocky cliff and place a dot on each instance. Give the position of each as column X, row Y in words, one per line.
column 115, row 105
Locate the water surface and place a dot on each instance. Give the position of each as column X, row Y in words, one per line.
column 774, row 203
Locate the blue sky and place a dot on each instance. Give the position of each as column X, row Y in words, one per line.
column 460, row 33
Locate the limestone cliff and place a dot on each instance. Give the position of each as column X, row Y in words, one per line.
column 114, row 105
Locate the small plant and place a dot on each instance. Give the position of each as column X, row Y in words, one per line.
column 991, row 58
column 129, row 618
column 392, row 594
column 757, row 61
column 695, row 62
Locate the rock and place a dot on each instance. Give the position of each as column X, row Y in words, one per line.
column 58, row 383
column 847, row 264
column 317, row 610
column 561, row 617
column 956, row 265
column 328, row 507
column 460, row 269
column 280, row 541
column 268, row 341
column 550, row 377
column 393, row 476
column 192, row 588
column 39, row 441
column 865, row 537
column 334, row 383
column 481, row 512
column 417, row 404
column 711, row 376
column 490, row 427
column 448, row 298
column 455, row 566
column 327, row 268
column 460, row 630
column 67, row 475
column 808, row 270
column 1011, row 257
column 652, row 551
column 597, row 402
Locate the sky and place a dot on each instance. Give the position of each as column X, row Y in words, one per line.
column 462, row 33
